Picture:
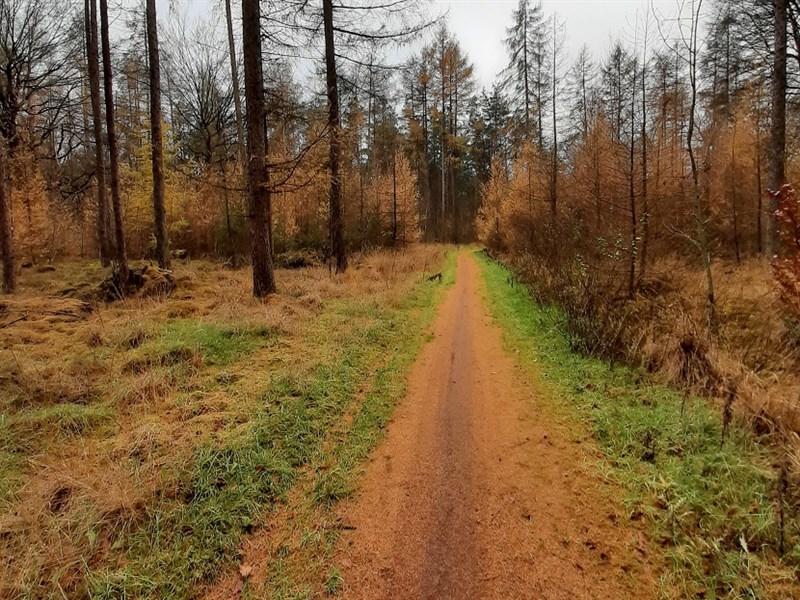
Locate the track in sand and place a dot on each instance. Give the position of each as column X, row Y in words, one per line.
column 477, row 492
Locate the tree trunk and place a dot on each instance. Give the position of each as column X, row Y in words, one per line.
column 699, row 213
column 338, row 250
column 157, row 139
column 257, row 170
column 6, row 229
column 734, row 199
column 237, row 99
column 113, row 148
column 632, row 194
column 93, row 65
column 777, row 154
column 394, row 198
column 645, row 203
column 554, row 167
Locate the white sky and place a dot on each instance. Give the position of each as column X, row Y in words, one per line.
column 480, row 25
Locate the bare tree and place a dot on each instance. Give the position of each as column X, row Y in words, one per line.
column 257, row 169
column 777, row 145
column 237, row 101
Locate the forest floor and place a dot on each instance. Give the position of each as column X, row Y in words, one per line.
column 207, row 443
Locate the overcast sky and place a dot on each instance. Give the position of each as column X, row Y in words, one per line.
column 480, row 25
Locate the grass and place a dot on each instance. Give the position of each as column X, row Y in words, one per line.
column 140, row 442
column 231, row 488
column 709, row 504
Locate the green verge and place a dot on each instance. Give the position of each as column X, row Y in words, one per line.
column 710, row 506
column 231, row 488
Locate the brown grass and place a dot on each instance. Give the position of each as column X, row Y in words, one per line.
column 99, row 412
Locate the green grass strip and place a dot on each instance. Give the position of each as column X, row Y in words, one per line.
column 187, row 538
column 710, row 506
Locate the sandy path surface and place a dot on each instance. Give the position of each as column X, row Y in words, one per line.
column 476, row 493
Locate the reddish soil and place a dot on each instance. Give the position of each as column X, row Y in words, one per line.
column 477, row 491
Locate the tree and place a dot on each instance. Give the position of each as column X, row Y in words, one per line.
column 777, row 145
column 258, row 190
column 338, row 250
column 113, row 147
column 237, row 102
column 526, row 75
column 157, row 139
column 6, row 229
column 93, row 64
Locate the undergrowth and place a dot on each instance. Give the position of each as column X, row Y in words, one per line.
column 710, row 503
column 365, row 347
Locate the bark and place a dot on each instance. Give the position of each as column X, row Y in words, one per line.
column 113, row 148
column 632, row 194
column 6, row 229
column 777, row 148
column 699, row 212
column 157, row 139
column 645, row 201
column 237, row 99
column 734, row 199
column 443, row 140
column 554, row 172
column 394, row 198
column 257, row 169
column 93, row 67
column 338, row 250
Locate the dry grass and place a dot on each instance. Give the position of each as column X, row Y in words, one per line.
column 103, row 405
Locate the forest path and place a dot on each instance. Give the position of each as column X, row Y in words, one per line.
column 476, row 492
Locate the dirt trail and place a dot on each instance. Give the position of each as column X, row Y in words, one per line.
column 476, row 493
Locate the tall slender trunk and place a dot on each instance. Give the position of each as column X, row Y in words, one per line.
column 237, row 99
column 777, row 163
column 93, row 66
column 699, row 212
column 443, row 136
column 257, row 169
column 113, row 148
column 759, row 194
column 645, row 200
column 394, row 198
column 554, row 171
column 338, row 250
column 632, row 194
column 734, row 205
column 6, row 228
column 157, row 139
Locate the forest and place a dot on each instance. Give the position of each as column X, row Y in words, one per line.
column 226, row 237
